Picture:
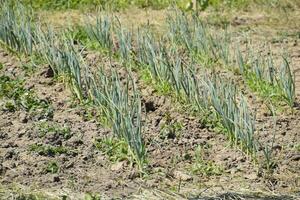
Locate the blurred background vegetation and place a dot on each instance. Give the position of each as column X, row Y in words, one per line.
column 159, row 4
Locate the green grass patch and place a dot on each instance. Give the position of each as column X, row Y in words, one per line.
column 79, row 35
column 92, row 4
column 272, row 94
column 154, row 4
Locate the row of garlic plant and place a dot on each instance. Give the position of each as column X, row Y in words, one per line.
column 16, row 34
column 208, row 47
column 204, row 92
column 120, row 104
column 196, row 38
column 266, row 75
column 165, row 63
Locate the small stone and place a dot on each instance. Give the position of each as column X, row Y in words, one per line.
column 151, row 183
column 233, row 170
column 117, row 166
column 182, row 176
column 201, row 141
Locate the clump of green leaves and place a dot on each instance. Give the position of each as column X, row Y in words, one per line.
column 52, row 167
column 116, row 150
column 12, row 89
column 204, row 167
column 91, row 196
column 15, row 96
column 48, row 150
column 46, row 128
column 170, row 129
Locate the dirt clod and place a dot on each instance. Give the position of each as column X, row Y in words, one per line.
column 23, row 117
column 182, row 176
column 56, row 178
column 48, row 73
column 150, row 106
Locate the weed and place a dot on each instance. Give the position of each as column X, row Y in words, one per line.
column 52, row 167
column 116, row 150
column 204, row 167
column 48, row 150
column 9, row 106
column 79, row 35
column 264, row 89
column 90, row 196
column 16, row 96
column 297, row 147
column 45, row 128
column 12, row 89
column 169, row 129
